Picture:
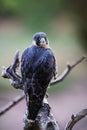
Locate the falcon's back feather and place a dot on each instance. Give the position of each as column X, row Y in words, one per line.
column 37, row 68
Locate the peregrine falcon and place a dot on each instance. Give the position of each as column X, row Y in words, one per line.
column 38, row 67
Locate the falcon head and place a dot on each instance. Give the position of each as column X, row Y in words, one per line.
column 40, row 39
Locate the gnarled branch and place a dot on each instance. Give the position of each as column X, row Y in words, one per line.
column 42, row 122
column 16, row 80
column 11, row 73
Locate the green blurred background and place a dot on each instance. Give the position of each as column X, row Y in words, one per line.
column 64, row 22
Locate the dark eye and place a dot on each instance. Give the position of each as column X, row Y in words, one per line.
column 39, row 38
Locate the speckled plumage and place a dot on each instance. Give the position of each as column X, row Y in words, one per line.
column 37, row 68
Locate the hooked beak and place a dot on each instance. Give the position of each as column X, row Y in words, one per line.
column 42, row 40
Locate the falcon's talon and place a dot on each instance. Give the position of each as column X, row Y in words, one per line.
column 30, row 121
column 47, row 95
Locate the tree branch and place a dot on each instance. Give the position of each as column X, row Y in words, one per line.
column 67, row 71
column 16, row 81
column 76, row 118
column 11, row 73
column 45, row 119
column 11, row 104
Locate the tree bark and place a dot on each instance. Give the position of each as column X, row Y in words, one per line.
column 44, row 120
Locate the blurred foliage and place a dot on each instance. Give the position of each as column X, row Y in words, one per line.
column 8, row 7
column 34, row 13
column 37, row 14
column 79, row 9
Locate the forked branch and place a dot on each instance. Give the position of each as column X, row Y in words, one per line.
column 67, row 70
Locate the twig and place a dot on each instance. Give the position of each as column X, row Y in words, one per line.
column 76, row 118
column 11, row 104
column 67, row 71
